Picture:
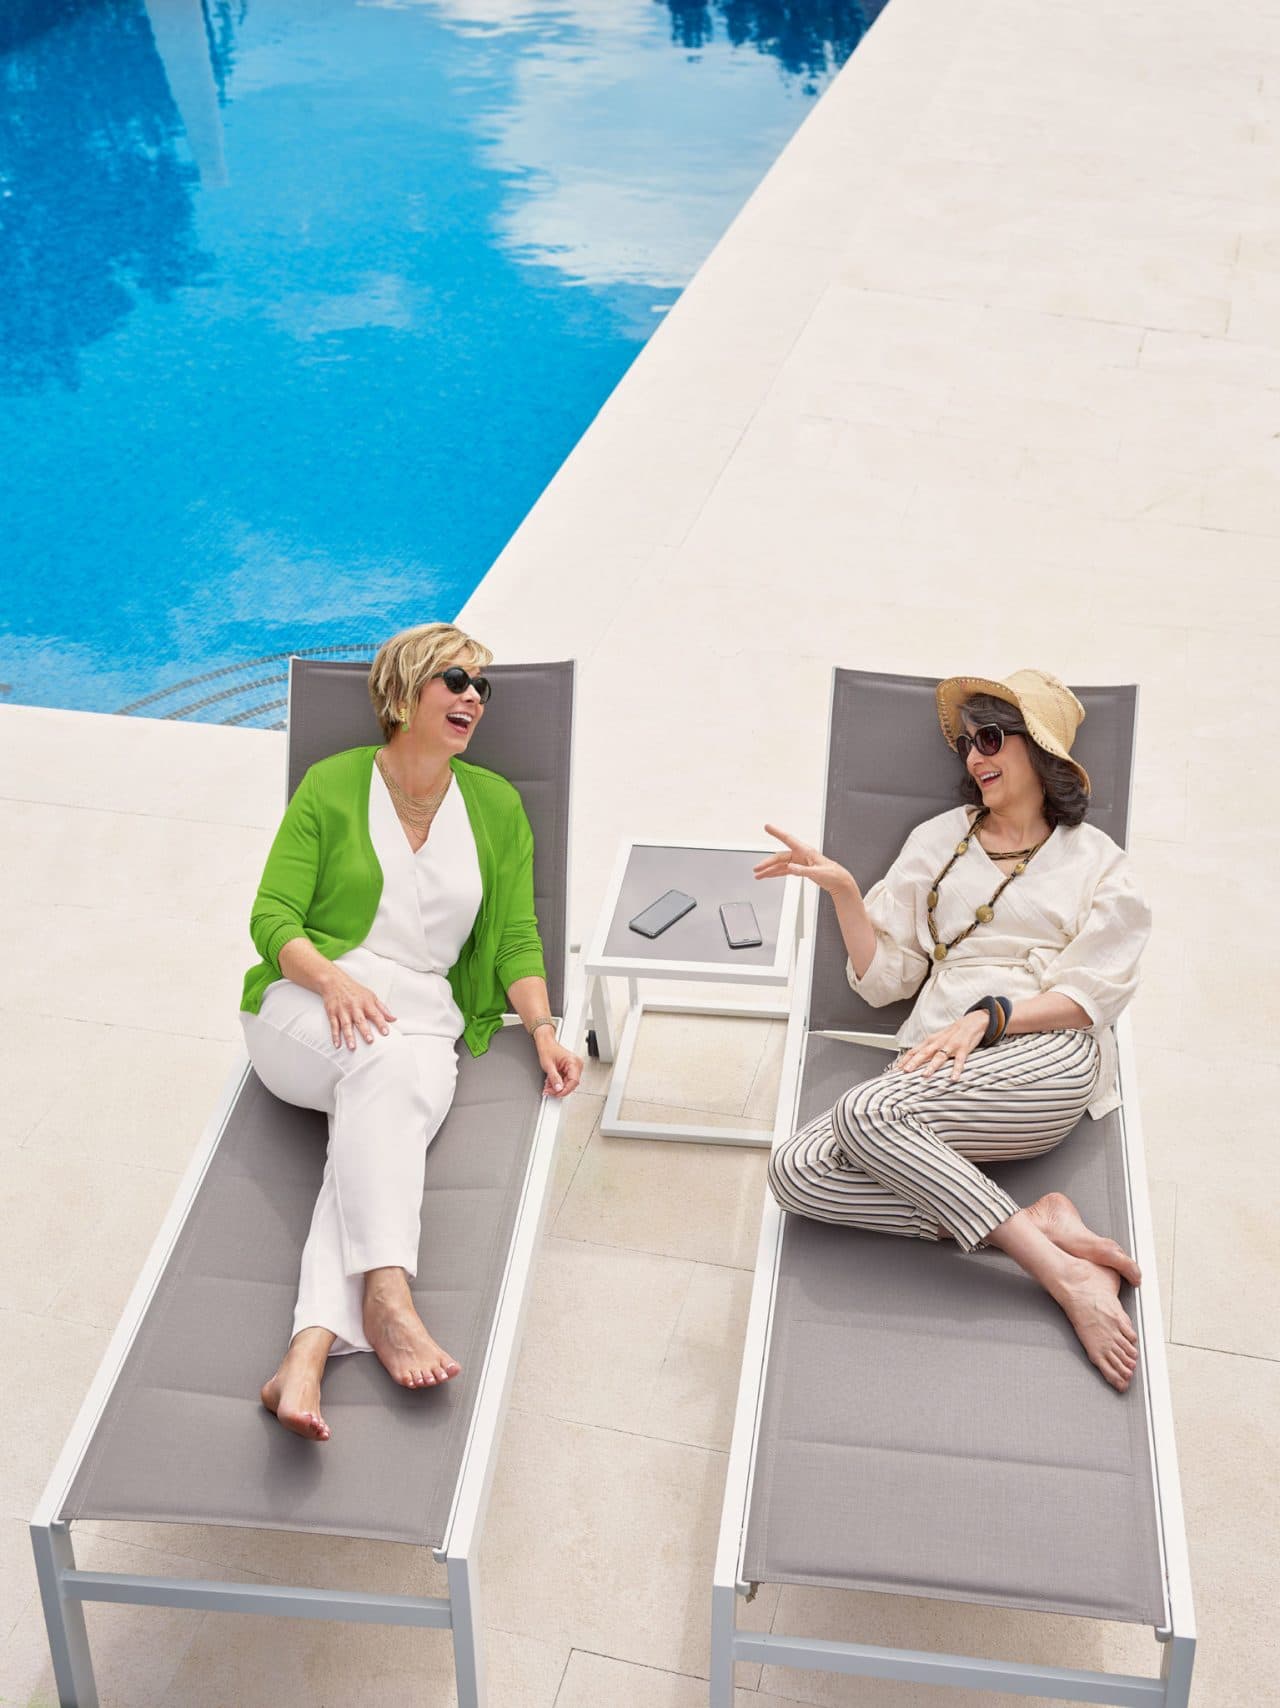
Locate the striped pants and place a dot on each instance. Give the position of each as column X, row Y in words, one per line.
column 898, row 1152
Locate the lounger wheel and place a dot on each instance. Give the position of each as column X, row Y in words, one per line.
column 593, row 1044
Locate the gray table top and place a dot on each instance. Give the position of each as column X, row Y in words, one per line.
column 710, row 876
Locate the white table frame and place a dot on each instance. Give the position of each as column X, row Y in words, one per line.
column 598, row 967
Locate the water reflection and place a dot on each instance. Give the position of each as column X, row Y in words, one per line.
column 809, row 38
column 623, row 161
column 221, row 20
column 95, row 199
column 312, row 405
column 180, row 30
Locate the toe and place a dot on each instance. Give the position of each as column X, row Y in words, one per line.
column 1125, row 1362
column 1121, row 1261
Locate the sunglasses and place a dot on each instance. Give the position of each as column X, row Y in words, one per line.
column 457, row 681
column 987, row 738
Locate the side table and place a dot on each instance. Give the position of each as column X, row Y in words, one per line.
column 693, row 949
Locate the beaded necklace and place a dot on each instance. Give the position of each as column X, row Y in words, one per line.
column 986, row 912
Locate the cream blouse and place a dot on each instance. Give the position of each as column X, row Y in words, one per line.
column 1073, row 922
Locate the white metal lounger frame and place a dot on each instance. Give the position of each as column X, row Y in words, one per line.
column 1015, row 1678
column 64, row 1589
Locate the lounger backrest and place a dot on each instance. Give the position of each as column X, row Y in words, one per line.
column 888, row 769
column 526, row 735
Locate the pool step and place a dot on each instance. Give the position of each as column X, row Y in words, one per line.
column 250, row 692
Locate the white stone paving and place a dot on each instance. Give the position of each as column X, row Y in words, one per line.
column 986, row 374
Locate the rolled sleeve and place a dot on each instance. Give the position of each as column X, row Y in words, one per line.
column 899, row 965
column 1098, row 968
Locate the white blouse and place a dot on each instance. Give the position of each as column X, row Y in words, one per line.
column 1073, row 922
column 428, row 906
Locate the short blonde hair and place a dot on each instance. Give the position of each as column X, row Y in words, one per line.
column 407, row 662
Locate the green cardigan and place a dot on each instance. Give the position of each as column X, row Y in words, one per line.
column 323, row 881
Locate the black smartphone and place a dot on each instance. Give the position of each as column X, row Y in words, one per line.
column 653, row 920
column 741, row 927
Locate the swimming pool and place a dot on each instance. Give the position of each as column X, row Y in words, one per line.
column 303, row 302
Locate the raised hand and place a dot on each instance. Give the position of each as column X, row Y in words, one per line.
column 801, row 860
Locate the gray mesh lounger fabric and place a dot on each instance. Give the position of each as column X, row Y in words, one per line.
column 182, row 1437
column 930, row 1426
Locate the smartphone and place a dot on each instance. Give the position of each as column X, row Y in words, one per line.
column 741, row 928
column 653, row 920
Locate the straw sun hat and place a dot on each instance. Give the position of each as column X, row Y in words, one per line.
column 1049, row 709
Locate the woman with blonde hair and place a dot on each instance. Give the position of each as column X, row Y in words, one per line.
column 395, row 916
column 1017, row 928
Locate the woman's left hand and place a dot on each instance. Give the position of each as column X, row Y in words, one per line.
column 952, row 1044
column 562, row 1068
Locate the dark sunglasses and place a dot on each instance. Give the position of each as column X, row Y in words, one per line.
column 987, row 738
column 457, row 681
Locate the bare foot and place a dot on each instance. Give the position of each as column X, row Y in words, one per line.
column 1087, row 1293
column 293, row 1393
column 396, row 1333
column 1057, row 1217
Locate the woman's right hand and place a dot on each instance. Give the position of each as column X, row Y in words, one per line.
column 352, row 1007
column 800, row 860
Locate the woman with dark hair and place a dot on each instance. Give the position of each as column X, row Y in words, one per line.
column 1018, row 929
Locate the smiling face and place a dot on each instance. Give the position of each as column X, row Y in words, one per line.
column 444, row 718
column 1008, row 781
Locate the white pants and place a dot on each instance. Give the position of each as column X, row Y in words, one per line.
column 385, row 1102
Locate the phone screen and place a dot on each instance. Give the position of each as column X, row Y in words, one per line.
column 741, row 928
column 653, row 920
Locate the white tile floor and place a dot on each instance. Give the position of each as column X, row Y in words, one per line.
column 986, row 374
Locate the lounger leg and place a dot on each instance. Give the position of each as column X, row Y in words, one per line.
column 63, row 1617
column 723, row 1620
column 1175, row 1670
column 468, row 1654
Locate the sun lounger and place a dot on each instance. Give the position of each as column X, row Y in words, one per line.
column 919, row 1422
column 172, row 1429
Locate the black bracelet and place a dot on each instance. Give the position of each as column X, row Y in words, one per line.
column 997, row 1019
column 1006, row 1008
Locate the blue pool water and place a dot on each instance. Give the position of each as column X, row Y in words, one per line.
column 303, row 302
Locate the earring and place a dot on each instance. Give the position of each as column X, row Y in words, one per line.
column 404, row 722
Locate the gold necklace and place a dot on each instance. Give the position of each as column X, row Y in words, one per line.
column 417, row 814
column 987, row 911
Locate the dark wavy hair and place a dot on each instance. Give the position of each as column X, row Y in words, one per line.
column 1066, row 800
